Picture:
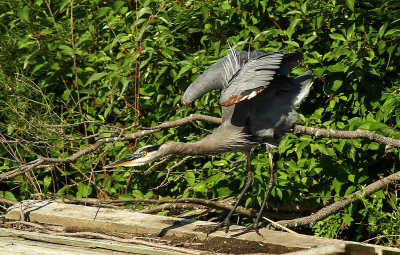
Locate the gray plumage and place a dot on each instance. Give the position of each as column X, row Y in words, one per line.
column 258, row 105
column 262, row 118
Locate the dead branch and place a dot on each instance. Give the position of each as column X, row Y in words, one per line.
column 21, row 169
column 123, row 137
column 342, row 134
column 189, row 202
column 311, row 220
column 197, row 201
column 172, row 206
column 298, row 129
column 8, row 201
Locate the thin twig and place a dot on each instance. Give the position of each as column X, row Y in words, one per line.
column 279, row 225
column 380, row 236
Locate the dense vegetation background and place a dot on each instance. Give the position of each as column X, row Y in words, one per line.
column 75, row 71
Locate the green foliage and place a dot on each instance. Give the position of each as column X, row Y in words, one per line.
column 126, row 64
column 376, row 224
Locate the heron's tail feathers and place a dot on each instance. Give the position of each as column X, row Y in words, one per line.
column 304, row 81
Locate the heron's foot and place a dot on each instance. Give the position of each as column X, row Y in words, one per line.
column 253, row 227
column 226, row 223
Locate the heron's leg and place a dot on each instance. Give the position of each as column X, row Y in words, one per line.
column 227, row 221
column 271, row 184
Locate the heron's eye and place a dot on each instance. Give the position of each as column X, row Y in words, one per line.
column 144, row 153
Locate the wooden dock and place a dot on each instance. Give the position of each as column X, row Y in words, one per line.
column 49, row 227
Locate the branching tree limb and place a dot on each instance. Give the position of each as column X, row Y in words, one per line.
column 122, row 137
column 310, row 221
column 298, row 129
column 342, row 134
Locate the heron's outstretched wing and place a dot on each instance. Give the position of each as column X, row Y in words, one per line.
column 257, row 74
column 241, row 75
column 216, row 76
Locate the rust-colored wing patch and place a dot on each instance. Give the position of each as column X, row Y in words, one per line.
column 236, row 99
column 184, row 103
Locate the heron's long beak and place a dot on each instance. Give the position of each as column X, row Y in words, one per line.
column 124, row 162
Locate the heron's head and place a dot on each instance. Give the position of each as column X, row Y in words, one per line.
column 140, row 157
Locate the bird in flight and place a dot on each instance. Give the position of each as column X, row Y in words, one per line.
column 258, row 103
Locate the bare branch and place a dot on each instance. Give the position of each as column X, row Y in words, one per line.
column 8, row 201
column 172, row 206
column 298, row 129
column 192, row 202
column 21, row 170
column 342, row 134
column 339, row 205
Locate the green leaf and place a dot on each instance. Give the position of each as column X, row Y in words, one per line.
column 351, row 177
column 382, row 30
column 310, row 39
column 8, row 195
column 293, row 43
column 254, row 30
column 182, row 71
column 391, row 49
column 392, row 31
column 292, row 27
column 348, row 219
column 137, row 194
column 224, row 192
column 118, row 5
column 205, row 12
column 103, row 11
column 143, row 11
column 336, row 85
column 46, row 182
column 23, row 13
column 190, row 178
column 337, row 37
column 337, row 185
column 96, row 77
column 83, row 190
column 66, row 50
column 350, row 4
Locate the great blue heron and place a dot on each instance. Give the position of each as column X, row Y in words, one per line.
column 258, row 107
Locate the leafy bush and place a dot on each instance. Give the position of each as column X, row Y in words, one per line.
column 125, row 64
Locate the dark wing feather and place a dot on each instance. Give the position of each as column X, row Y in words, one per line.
column 216, row 76
column 257, row 74
column 241, row 75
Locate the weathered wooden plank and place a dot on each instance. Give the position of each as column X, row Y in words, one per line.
column 19, row 246
column 24, row 242
column 119, row 222
column 106, row 220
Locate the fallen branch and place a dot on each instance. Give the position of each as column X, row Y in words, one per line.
column 219, row 205
column 311, row 220
column 171, row 206
column 197, row 201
